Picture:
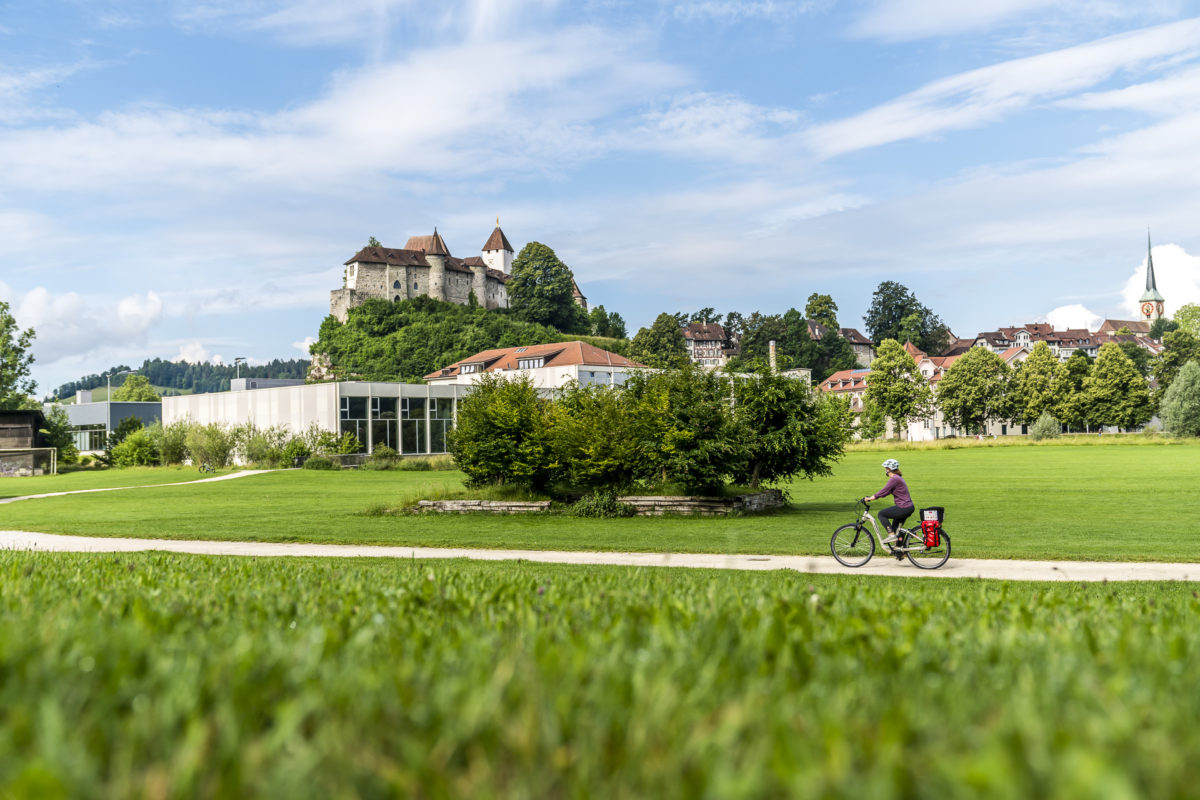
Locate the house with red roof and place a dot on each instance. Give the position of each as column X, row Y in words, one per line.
column 550, row 366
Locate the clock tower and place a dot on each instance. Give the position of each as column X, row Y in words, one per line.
column 1151, row 302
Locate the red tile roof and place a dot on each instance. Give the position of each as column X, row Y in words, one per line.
column 497, row 241
column 433, row 245
column 557, row 354
column 704, row 332
column 852, row 336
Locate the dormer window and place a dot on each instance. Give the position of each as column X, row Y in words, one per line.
column 468, row 368
column 530, row 363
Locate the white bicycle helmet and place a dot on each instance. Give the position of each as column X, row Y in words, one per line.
column 891, row 463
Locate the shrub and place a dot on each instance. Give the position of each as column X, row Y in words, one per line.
column 1181, row 403
column 595, row 439
column 296, row 448
column 171, row 441
column 415, row 464
column 1046, row 427
column 319, row 440
column 210, row 444
column 502, row 435
column 348, row 445
column 322, row 462
column 137, row 450
column 383, row 457
column 603, row 505
column 263, row 446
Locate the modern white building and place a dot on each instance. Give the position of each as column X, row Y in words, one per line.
column 409, row 418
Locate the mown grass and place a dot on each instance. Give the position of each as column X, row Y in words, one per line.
column 74, row 480
column 1110, row 502
column 157, row 675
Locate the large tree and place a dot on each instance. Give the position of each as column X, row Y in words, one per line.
column 15, row 361
column 1180, row 407
column 895, row 386
column 1116, row 393
column 895, row 313
column 1035, row 387
column 606, row 324
column 660, row 345
column 1067, row 389
column 974, row 389
column 541, row 289
column 1187, row 316
column 821, row 308
column 136, row 388
column 1179, row 347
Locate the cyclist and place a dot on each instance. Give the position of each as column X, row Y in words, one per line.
column 894, row 516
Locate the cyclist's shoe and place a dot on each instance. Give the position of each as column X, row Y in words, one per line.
column 893, row 539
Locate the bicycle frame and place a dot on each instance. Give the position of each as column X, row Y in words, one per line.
column 868, row 517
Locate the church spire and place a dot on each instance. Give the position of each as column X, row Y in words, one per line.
column 1151, row 301
column 1150, row 287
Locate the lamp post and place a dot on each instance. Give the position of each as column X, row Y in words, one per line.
column 237, row 363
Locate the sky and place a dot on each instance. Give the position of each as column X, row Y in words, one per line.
column 186, row 179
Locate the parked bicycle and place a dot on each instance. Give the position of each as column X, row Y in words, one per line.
column 206, row 467
column 927, row 547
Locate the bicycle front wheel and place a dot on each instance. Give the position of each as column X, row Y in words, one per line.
column 927, row 557
column 852, row 545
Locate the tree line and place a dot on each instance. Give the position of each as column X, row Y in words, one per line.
column 184, row 375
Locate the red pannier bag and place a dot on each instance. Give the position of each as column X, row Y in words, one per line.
column 931, row 525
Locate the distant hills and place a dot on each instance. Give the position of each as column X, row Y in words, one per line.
column 182, row 377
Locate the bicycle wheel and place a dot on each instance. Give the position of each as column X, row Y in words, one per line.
column 927, row 557
column 852, row 545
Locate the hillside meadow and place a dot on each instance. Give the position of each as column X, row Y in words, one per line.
column 160, row 675
column 1114, row 502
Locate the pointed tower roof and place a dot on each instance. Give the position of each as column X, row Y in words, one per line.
column 432, row 245
column 497, row 241
column 1151, row 292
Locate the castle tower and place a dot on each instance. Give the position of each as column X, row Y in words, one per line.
column 436, row 252
column 1151, row 300
column 497, row 252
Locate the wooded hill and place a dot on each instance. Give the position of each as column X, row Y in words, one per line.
column 184, row 376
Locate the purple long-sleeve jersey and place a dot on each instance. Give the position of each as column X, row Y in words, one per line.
column 898, row 489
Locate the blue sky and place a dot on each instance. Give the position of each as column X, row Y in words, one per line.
column 186, row 178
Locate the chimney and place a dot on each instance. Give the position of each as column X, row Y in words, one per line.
column 771, row 356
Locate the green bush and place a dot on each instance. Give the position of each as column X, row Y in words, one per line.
column 137, row 450
column 503, row 434
column 296, row 448
column 595, row 438
column 319, row 440
column 419, row 464
column 210, row 444
column 322, row 462
column 261, row 446
column 603, row 505
column 1046, row 427
column 171, row 441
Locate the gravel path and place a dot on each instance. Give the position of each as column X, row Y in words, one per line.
column 955, row 568
column 229, row 477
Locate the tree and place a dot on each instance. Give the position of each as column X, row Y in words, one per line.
column 1067, row 388
column 705, row 315
column 597, row 443
column 789, row 429
column 1035, row 388
column 1138, row 355
column 896, row 386
column 541, row 289
column 890, row 317
column 1180, row 407
column 373, row 242
column 58, row 434
column 1162, row 326
column 1179, row 347
column 602, row 323
column 821, row 308
column 1115, row 393
column 1187, row 316
column 502, row 436
column 660, row 345
column 15, row 361
column 872, row 422
column 974, row 389
column 136, row 388
column 832, row 354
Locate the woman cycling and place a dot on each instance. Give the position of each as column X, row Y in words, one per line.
column 898, row 489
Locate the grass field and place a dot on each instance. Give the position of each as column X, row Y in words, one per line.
column 99, row 479
column 1102, row 502
column 160, row 675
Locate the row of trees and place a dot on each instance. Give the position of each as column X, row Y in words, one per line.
column 980, row 387
column 684, row 427
column 186, row 376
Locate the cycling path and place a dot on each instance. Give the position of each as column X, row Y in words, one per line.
column 955, row 568
column 229, row 477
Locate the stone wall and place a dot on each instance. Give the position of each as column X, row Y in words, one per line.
column 486, row 506
column 655, row 506
column 380, row 280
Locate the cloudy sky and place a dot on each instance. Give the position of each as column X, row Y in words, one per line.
column 186, row 178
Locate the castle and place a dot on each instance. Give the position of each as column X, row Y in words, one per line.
column 424, row 266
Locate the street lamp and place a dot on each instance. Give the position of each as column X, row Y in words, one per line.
column 237, row 363
column 108, row 377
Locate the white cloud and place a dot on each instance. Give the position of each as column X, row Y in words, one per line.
column 1176, row 273
column 984, row 95
column 196, row 353
column 707, row 126
column 739, row 10
column 69, row 325
column 1074, row 316
column 304, row 344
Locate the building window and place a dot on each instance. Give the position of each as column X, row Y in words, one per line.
column 395, row 284
column 441, row 421
column 414, row 286
column 412, row 425
column 468, row 368
column 354, row 419
column 385, row 430
column 530, row 363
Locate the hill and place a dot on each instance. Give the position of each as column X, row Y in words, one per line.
column 182, row 377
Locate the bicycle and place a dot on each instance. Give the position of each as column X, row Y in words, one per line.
column 853, row 545
column 206, row 467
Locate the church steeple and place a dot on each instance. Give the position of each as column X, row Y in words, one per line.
column 1151, row 300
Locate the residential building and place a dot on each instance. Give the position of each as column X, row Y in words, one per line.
column 864, row 349
column 550, row 366
column 706, row 343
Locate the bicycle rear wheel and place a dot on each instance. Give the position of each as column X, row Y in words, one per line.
column 927, row 557
column 852, row 545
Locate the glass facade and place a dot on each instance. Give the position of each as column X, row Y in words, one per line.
column 354, row 418
column 385, row 431
column 408, row 425
column 412, row 425
column 441, row 420
column 89, row 438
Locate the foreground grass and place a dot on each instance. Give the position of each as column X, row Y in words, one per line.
column 296, row 679
column 71, row 481
column 1109, row 502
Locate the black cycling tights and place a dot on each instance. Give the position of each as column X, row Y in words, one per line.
column 897, row 513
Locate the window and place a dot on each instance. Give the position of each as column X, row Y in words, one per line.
column 414, row 286
column 385, row 430
column 354, row 418
column 530, row 363
column 468, row 368
column 412, row 425
column 395, row 284
column 441, row 421
column 396, row 298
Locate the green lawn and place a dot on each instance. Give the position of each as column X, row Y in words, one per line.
column 99, row 479
column 157, row 675
column 1100, row 502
